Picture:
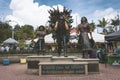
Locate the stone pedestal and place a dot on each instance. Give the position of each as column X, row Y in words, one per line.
column 54, row 65
column 63, row 59
column 41, row 58
column 33, row 61
column 93, row 64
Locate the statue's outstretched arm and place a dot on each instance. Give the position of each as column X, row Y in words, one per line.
column 66, row 25
column 56, row 26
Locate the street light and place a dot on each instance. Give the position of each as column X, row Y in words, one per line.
column 12, row 27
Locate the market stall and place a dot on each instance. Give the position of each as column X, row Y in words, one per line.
column 115, row 36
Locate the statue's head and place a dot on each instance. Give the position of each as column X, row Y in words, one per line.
column 61, row 17
column 41, row 28
column 83, row 19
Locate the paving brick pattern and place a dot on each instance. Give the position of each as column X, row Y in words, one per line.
column 18, row 72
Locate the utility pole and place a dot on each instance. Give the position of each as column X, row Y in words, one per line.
column 118, row 19
column 76, row 20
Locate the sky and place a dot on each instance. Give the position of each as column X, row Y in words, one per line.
column 35, row 12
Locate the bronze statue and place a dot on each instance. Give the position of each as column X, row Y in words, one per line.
column 60, row 22
column 40, row 34
column 84, row 41
column 61, row 28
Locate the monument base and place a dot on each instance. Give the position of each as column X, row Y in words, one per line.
column 53, row 65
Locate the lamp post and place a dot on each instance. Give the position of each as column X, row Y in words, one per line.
column 13, row 33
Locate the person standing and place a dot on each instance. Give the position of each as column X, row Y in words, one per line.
column 41, row 42
column 2, row 48
column 84, row 41
column 110, row 47
column 7, row 48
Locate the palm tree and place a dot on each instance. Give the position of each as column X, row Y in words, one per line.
column 115, row 22
column 103, row 23
column 92, row 25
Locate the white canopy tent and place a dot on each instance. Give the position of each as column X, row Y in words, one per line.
column 98, row 37
column 48, row 38
column 10, row 41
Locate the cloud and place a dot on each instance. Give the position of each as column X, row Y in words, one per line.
column 108, row 14
column 29, row 12
column 32, row 13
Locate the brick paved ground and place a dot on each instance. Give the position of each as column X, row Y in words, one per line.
column 18, row 72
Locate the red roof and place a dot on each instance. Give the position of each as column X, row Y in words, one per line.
column 73, row 30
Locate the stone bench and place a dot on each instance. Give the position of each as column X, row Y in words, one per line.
column 61, row 68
